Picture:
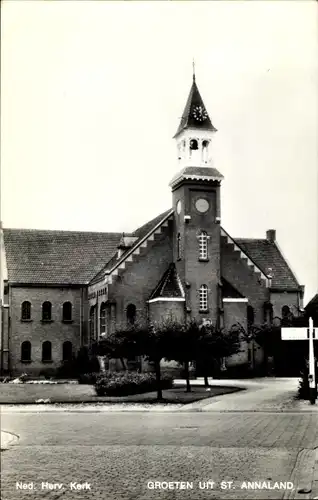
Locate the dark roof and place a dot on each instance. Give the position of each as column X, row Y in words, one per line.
column 169, row 285
column 197, row 172
column 187, row 119
column 269, row 259
column 312, row 304
column 56, row 257
column 139, row 233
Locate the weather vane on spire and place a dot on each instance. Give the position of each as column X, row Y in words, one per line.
column 193, row 69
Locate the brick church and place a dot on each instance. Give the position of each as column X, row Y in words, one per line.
column 64, row 289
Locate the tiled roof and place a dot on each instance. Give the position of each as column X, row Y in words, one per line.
column 169, row 285
column 269, row 259
column 56, row 257
column 312, row 304
column 140, row 233
column 196, row 173
column 187, row 119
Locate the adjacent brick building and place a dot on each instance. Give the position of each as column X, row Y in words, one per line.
column 61, row 289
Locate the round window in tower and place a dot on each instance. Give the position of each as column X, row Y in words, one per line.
column 179, row 207
column 202, row 205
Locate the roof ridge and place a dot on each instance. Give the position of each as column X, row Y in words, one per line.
column 66, row 231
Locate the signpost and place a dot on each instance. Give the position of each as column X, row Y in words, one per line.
column 304, row 334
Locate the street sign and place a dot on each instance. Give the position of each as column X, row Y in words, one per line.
column 305, row 334
column 294, row 333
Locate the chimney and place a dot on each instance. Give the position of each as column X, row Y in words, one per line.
column 271, row 235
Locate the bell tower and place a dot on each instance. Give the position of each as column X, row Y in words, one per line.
column 196, row 201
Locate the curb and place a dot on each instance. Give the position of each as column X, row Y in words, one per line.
column 8, row 439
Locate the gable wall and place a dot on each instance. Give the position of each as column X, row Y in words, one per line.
column 136, row 283
column 236, row 271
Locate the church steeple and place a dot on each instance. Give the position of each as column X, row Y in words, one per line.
column 195, row 132
column 195, row 114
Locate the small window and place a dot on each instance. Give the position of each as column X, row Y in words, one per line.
column 67, row 311
column 102, row 319
column 203, row 245
column 46, row 351
column 26, row 351
column 179, row 246
column 203, row 298
column 92, row 323
column 67, row 351
column 46, row 311
column 193, row 145
column 26, row 310
column 250, row 315
column 131, row 314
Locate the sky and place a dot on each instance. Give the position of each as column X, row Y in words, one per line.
column 92, row 94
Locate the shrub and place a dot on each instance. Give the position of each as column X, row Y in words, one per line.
column 48, row 373
column 127, row 383
column 88, row 378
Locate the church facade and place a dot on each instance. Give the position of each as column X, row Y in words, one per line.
column 61, row 290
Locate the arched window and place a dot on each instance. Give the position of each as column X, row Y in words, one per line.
column 193, row 145
column 67, row 351
column 46, row 311
column 179, row 246
column 203, row 298
column 250, row 315
column 92, row 320
column 268, row 313
column 46, row 351
column 203, row 245
column 26, row 310
column 131, row 314
column 67, row 311
column 285, row 311
column 26, row 351
column 102, row 319
column 205, row 151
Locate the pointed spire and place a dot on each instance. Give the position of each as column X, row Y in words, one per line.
column 195, row 114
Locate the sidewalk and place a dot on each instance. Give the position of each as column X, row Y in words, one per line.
column 261, row 394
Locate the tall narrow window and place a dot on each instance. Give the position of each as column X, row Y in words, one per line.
column 285, row 311
column 67, row 311
column 67, row 351
column 26, row 310
column 203, row 298
column 268, row 313
column 26, row 351
column 131, row 314
column 46, row 311
column 205, row 151
column 179, row 246
column 46, row 351
column 203, row 246
column 102, row 319
column 250, row 315
column 92, row 323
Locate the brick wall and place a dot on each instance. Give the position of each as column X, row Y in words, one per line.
column 280, row 299
column 37, row 332
column 236, row 271
column 162, row 310
column 189, row 267
column 137, row 281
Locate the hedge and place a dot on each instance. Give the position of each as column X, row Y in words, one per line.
column 127, row 383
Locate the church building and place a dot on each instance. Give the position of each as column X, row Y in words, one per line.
column 61, row 290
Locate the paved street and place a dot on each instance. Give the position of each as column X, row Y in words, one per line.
column 120, row 455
